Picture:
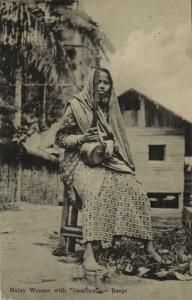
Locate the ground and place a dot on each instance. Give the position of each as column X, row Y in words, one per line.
column 27, row 263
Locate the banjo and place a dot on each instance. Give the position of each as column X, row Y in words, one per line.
column 93, row 153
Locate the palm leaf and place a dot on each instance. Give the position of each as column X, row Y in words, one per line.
column 21, row 29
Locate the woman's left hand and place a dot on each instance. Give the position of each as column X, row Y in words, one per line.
column 109, row 148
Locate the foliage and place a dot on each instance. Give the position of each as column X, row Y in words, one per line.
column 30, row 35
column 128, row 255
column 29, row 40
column 6, row 92
column 8, row 206
column 83, row 23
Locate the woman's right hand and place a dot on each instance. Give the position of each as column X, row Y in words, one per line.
column 90, row 135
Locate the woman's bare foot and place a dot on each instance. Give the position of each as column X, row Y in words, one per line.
column 153, row 254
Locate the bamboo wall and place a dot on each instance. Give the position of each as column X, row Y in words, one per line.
column 8, row 178
column 29, row 179
column 40, row 182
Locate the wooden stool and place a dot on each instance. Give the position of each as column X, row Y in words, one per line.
column 69, row 230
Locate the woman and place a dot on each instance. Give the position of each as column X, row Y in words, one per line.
column 113, row 201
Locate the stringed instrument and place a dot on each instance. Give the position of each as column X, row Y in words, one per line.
column 93, row 153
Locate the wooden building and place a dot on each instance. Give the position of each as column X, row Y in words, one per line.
column 159, row 140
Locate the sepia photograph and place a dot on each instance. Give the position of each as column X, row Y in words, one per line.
column 96, row 149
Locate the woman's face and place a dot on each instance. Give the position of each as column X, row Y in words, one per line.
column 104, row 85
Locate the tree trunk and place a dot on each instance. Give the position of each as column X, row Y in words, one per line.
column 18, row 97
column 17, row 123
column 44, row 104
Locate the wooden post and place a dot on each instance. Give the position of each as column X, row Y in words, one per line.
column 64, row 222
column 73, row 221
column 18, row 97
column 141, row 122
column 17, row 123
column 77, row 40
column 44, row 104
column 191, row 26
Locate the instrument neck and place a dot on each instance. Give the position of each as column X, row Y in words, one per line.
column 96, row 94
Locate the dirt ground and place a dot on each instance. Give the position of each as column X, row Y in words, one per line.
column 30, row 271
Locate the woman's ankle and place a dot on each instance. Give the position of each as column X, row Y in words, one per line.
column 89, row 253
column 148, row 245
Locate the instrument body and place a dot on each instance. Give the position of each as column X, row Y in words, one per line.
column 92, row 153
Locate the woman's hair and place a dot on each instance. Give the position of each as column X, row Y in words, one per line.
column 108, row 74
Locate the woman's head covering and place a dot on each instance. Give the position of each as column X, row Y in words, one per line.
column 82, row 106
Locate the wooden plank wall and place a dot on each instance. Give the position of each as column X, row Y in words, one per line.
column 134, row 118
column 159, row 176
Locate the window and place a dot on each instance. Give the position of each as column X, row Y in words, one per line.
column 156, row 152
column 164, row 200
column 132, row 104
